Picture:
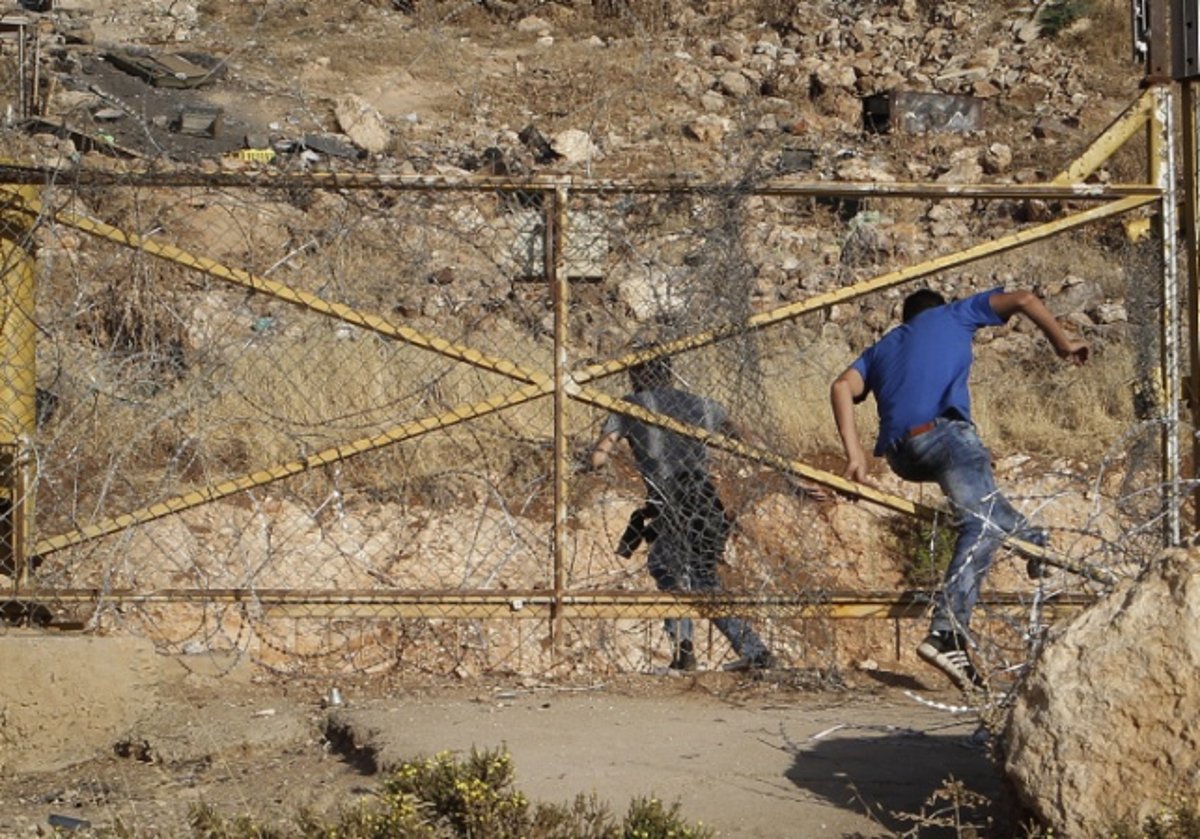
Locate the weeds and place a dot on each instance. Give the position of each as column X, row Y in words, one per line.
column 444, row 798
column 1058, row 15
column 1179, row 820
column 951, row 806
column 928, row 546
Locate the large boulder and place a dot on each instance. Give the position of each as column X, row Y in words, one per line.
column 1104, row 730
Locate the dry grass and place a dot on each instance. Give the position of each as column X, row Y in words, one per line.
column 1040, row 408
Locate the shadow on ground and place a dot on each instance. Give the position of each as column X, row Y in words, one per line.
column 906, row 780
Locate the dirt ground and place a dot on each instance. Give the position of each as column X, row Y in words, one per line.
column 780, row 754
column 126, row 736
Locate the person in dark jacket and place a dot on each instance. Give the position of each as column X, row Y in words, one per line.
column 682, row 519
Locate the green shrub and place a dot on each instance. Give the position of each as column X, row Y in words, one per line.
column 474, row 798
column 648, row 819
column 1057, row 15
column 928, row 547
column 1180, row 819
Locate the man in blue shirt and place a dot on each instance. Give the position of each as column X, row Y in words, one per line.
column 918, row 373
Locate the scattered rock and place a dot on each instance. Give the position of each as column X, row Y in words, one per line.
column 574, row 146
column 734, row 84
column 363, row 124
column 709, row 129
column 1107, row 313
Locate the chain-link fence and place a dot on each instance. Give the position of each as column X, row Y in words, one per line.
column 349, row 422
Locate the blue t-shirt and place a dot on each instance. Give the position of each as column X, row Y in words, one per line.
column 919, row 370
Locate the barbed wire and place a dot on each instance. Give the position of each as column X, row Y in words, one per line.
column 166, row 381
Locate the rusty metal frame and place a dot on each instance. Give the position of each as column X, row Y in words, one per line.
column 1150, row 112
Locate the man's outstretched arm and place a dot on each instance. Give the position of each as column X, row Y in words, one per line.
column 1008, row 303
column 846, row 389
column 603, row 449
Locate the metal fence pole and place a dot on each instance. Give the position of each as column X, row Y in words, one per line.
column 1162, row 172
column 556, row 273
column 1191, row 235
column 18, row 380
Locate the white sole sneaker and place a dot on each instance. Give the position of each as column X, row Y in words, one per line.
column 953, row 662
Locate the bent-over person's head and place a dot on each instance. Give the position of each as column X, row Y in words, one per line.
column 651, row 375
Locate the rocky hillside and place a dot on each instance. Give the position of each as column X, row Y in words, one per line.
column 727, row 92
column 613, row 88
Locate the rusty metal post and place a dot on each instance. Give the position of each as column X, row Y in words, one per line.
column 18, row 380
column 1158, row 54
column 1191, row 236
column 556, row 274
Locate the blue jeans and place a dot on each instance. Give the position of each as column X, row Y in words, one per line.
column 952, row 455
column 689, row 533
column 742, row 637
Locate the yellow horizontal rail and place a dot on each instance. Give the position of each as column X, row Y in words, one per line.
column 538, row 604
column 780, row 186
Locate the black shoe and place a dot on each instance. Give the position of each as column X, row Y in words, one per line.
column 685, row 657
column 947, row 651
column 1035, row 567
column 759, row 661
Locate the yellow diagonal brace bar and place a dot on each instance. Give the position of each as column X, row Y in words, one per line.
column 1112, row 138
column 869, row 286
column 262, row 477
column 600, row 399
column 280, row 291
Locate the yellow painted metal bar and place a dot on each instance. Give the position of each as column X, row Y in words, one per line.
column 534, row 604
column 18, row 381
column 1112, row 138
column 869, row 286
column 280, row 291
column 600, row 399
column 405, row 431
column 611, row 611
column 1162, row 165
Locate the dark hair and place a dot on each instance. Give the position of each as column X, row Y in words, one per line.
column 919, row 301
column 651, row 375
